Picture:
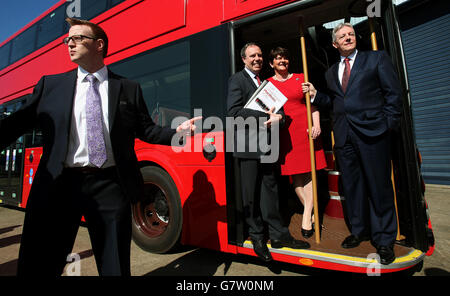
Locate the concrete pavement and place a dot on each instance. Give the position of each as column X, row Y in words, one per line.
column 201, row 262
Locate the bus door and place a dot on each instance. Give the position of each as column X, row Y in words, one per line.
column 11, row 163
column 280, row 27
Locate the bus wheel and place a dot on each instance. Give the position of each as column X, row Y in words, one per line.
column 157, row 218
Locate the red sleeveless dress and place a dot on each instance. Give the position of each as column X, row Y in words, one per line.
column 294, row 142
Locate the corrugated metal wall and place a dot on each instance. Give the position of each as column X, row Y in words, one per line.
column 427, row 54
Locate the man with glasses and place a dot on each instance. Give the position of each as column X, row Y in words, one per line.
column 89, row 118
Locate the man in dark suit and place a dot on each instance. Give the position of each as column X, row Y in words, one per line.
column 365, row 94
column 89, row 118
column 259, row 185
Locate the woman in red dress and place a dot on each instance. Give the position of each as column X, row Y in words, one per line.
column 295, row 159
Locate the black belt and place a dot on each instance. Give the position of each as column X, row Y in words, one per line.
column 91, row 170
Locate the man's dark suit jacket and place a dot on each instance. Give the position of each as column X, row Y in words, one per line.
column 371, row 103
column 50, row 109
column 258, row 182
column 363, row 115
column 240, row 89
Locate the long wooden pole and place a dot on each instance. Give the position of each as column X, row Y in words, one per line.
column 399, row 236
column 373, row 38
column 311, row 141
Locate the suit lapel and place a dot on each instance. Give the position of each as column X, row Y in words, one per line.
column 67, row 87
column 249, row 79
column 62, row 106
column 335, row 73
column 357, row 66
column 114, row 85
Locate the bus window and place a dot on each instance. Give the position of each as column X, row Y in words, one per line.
column 4, row 55
column 3, row 112
column 23, row 44
column 4, row 162
column 51, row 27
column 8, row 108
column 92, row 8
column 164, row 75
column 210, row 70
column 115, row 2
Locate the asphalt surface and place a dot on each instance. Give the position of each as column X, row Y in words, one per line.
column 201, row 262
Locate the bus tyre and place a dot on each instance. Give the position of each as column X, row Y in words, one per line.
column 157, row 218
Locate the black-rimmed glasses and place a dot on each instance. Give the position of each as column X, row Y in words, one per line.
column 76, row 38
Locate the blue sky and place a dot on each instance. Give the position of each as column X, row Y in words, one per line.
column 15, row 14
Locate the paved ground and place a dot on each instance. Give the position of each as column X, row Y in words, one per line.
column 201, row 262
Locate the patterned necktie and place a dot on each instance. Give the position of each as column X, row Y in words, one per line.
column 346, row 74
column 94, row 124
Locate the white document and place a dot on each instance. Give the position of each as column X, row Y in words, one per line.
column 266, row 97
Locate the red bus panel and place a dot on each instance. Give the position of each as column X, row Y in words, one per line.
column 236, row 8
column 160, row 17
column 32, row 157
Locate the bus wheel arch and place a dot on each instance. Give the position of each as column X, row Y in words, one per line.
column 158, row 217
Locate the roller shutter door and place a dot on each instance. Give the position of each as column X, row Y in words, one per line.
column 427, row 54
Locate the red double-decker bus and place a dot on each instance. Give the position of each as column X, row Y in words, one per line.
column 182, row 53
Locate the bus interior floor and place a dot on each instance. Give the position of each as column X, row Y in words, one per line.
column 333, row 232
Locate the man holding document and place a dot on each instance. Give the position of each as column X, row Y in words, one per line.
column 267, row 98
column 259, row 185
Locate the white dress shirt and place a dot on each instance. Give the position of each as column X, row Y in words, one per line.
column 342, row 64
column 252, row 76
column 342, row 67
column 77, row 154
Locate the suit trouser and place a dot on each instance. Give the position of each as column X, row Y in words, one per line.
column 365, row 166
column 260, row 199
column 51, row 224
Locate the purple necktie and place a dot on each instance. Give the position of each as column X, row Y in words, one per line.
column 94, row 124
column 346, row 74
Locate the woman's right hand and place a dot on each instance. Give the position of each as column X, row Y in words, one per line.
column 309, row 87
column 315, row 132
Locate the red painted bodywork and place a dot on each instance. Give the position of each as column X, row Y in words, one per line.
column 31, row 162
column 135, row 26
column 318, row 263
column 201, row 185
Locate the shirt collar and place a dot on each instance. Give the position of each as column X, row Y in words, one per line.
column 101, row 74
column 351, row 57
column 252, row 75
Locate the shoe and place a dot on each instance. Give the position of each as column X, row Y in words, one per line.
column 260, row 248
column 307, row 233
column 352, row 241
column 386, row 253
column 290, row 242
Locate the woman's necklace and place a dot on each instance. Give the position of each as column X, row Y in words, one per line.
column 282, row 79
